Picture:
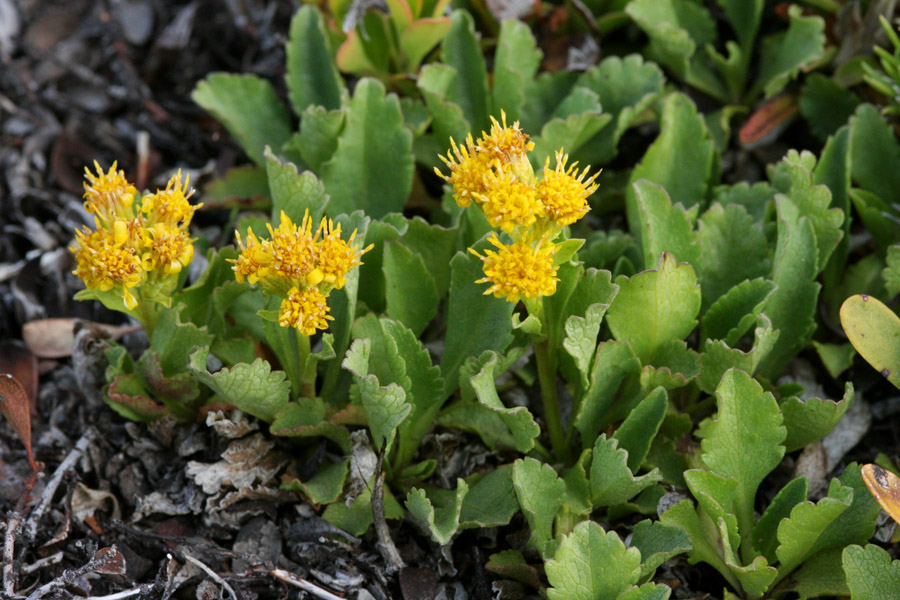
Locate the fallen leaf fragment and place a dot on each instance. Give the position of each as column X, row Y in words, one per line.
column 53, row 338
column 16, row 408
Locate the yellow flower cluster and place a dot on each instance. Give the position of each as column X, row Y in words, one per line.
column 134, row 243
column 494, row 172
column 299, row 265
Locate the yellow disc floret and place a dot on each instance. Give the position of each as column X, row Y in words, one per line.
column 508, row 202
column 104, row 264
column 108, row 195
column 306, row 311
column 520, row 269
column 564, row 191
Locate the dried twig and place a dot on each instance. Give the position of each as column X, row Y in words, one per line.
column 303, row 584
column 73, row 457
column 44, row 562
column 9, row 545
column 212, row 574
column 122, row 594
column 385, row 543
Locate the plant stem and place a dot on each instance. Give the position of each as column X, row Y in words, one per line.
column 305, row 366
column 148, row 315
column 546, row 364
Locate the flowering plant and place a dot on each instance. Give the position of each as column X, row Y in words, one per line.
column 133, row 260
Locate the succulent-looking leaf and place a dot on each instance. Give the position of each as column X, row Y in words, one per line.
column 744, row 442
column 592, row 564
column 658, row 543
column 655, row 307
column 515, row 64
column 325, row 486
column 811, row 419
column 784, row 54
column 612, row 482
column 637, row 431
column 765, row 531
column 874, row 330
column 491, row 502
column 312, row 77
column 292, row 192
column 249, row 108
column 871, row 574
column 372, row 167
column 519, row 420
column 254, row 388
column 541, row 493
column 442, row 522
column 664, row 227
column 461, row 51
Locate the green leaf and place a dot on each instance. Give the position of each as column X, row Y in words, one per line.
column 784, row 54
column 664, row 227
column 891, row 273
column 420, row 38
column 658, row 543
column 612, row 482
column 871, row 574
column 249, row 108
column 792, row 306
column 756, row 199
column 515, row 64
column 680, row 159
column 637, row 431
column 744, row 441
column 798, row 535
column 685, row 516
column 491, row 502
column 442, row 522
column 511, row 564
column 372, row 167
column 648, row 591
column 541, row 493
column 176, row 341
column 312, row 78
column 410, row 292
column 673, row 367
column 744, row 17
column 718, row 357
column 820, row 575
column 254, row 388
column 625, row 87
column 325, row 486
column 519, row 420
column 874, row 330
column 573, row 133
column 308, row 417
column 837, row 358
column 448, row 121
column 716, row 497
column 238, row 186
column 581, row 338
column 293, row 193
column 592, row 564
column 655, row 307
column 317, row 139
column 475, row 322
column 385, row 407
column 826, row 105
column 732, row 314
column 811, row 419
column 356, row 518
column 876, row 153
column 613, row 376
column 469, row 90
column 879, row 217
column 765, row 539
column 732, row 249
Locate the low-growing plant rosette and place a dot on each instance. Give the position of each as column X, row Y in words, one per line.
column 298, row 268
column 532, row 213
column 133, row 259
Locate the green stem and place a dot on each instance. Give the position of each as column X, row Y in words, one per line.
column 306, row 367
column 148, row 314
column 546, row 364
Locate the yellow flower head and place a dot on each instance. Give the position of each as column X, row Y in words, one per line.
column 468, row 168
column 104, row 264
column 166, row 246
column 504, row 148
column 335, row 256
column 108, row 195
column 519, row 269
column 509, row 203
column 507, row 144
column 293, row 251
column 564, row 192
column 170, row 206
column 305, row 311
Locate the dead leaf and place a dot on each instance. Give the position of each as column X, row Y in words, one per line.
column 109, row 561
column 16, row 408
column 85, row 502
column 19, row 362
column 885, row 486
column 53, row 338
